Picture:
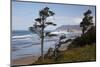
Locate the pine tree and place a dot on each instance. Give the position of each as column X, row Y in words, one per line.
column 86, row 21
column 41, row 24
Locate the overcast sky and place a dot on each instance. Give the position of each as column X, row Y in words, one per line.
column 24, row 13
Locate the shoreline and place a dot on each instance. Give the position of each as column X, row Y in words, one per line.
column 24, row 61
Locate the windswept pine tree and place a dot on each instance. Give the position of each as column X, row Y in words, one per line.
column 41, row 24
column 86, row 21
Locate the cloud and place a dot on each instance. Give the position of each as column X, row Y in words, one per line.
column 65, row 20
column 77, row 20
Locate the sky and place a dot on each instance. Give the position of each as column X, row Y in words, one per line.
column 24, row 13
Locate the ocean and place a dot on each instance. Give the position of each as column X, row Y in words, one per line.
column 24, row 43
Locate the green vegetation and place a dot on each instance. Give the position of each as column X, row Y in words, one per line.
column 88, row 38
column 86, row 21
column 79, row 54
column 86, row 53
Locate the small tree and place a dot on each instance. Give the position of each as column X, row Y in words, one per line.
column 57, row 46
column 41, row 24
column 86, row 21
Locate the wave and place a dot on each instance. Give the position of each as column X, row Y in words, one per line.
column 21, row 39
column 22, row 36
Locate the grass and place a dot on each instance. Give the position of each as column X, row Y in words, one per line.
column 86, row 53
column 79, row 54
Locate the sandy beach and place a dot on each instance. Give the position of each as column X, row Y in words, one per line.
column 24, row 61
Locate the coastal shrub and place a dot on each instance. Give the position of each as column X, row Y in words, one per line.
column 88, row 38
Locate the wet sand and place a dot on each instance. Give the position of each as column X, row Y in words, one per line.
column 24, row 61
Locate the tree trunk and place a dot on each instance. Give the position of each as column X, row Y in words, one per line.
column 42, row 42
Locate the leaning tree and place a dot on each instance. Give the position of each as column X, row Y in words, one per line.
column 40, row 24
column 86, row 21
